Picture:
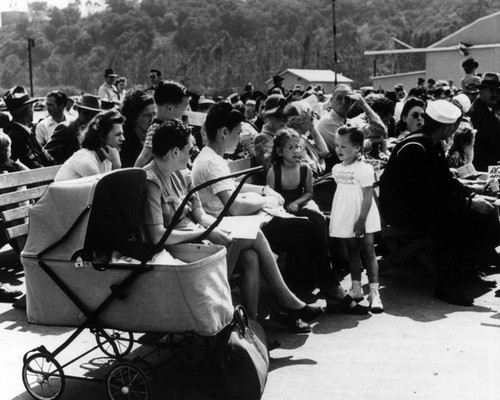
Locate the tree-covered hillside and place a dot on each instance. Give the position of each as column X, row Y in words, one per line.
column 216, row 46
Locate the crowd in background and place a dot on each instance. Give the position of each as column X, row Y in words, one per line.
column 325, row 158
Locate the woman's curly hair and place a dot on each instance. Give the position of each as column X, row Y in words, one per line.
column 99, row 127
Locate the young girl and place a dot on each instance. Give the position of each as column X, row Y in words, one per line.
column 354, row 216
column 293, row 180
column 289, row 177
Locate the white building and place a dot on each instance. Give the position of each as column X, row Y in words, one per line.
column 443, row 59
column 313, row 77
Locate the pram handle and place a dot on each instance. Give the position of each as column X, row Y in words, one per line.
column 178, row 213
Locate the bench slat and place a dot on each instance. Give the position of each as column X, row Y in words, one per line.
column 17, row 231
column 22, row 195
column 240, row 165
column 21, row 178
column 15, row 213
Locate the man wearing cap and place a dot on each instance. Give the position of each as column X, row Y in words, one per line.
column 329, row 124
column 25, row 147
column 56, row 104
column 66, row 138
column 482, row 114
column 277, row 85
column 418, row 192
column 108, row 91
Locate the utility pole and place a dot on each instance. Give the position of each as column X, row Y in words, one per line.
column 335, row 60
column 31, row 43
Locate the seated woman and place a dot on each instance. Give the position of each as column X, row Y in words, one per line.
column 166, row 188
column 412, row 118
column 139, row 110
column 101, row 144
column 308, row 265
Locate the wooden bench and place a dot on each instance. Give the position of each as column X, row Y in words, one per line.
column 242, row 164
column 18, row 191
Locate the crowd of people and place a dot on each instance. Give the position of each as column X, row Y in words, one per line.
column 324, row 161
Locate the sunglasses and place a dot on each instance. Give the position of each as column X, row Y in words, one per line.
column 417, row 115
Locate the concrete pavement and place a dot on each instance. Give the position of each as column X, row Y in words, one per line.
column 420, row 348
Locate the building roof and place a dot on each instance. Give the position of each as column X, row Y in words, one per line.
column 455, row 37
column 316, row 75
column 484, row 29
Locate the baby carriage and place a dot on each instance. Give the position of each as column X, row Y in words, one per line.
column 71, row 279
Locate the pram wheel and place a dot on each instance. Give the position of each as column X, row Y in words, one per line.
column 43, row 377
column 114, row 343
column 127, row 381
column 188, row 349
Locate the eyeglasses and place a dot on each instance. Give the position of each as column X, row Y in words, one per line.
column 417, row 115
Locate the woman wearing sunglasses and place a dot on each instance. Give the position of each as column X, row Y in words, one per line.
column 412, row 118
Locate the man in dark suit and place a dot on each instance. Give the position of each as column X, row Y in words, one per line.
column 484, row 120
column 25, row 147
column 66, row 137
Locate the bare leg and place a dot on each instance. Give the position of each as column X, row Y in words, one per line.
column 353, row 249
column 271, row 273
column 248, row 264
column 370, row 257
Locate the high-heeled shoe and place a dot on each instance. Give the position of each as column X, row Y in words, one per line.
column 307, row 313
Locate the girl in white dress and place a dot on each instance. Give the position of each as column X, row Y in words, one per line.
column 354, row 216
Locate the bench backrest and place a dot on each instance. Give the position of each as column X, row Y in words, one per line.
column 17, row 191
column 242, row 164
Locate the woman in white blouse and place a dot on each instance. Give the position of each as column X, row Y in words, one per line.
column 101, row 144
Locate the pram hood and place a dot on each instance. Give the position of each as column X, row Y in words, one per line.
column 100, row 212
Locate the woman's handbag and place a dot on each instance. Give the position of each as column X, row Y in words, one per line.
column 240, row 361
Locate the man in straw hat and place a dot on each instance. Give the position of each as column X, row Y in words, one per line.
column 66, row 137
column 418, row 192
column 25, row 147
column 487, row 143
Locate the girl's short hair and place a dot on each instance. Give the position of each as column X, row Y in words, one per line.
column 356, row 136
column 462, row 137
column 279, row 142
column 99, row 127
column 170, row 134
column 5, row 143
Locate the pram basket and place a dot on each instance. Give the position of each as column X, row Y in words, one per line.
column 70, row 280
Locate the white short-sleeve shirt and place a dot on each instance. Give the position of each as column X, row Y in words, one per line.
column 209, row 165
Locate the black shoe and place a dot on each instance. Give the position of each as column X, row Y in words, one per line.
column 307, row 313
column 344, row 307
column 497, row 293
column 294, row 325
column 452, row 296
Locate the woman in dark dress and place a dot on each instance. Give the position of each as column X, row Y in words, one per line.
column 139, row 109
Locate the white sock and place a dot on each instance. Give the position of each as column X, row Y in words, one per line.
column 373, row 288
column 356, row 284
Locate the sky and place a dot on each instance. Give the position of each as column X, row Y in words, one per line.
column 22, row 5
